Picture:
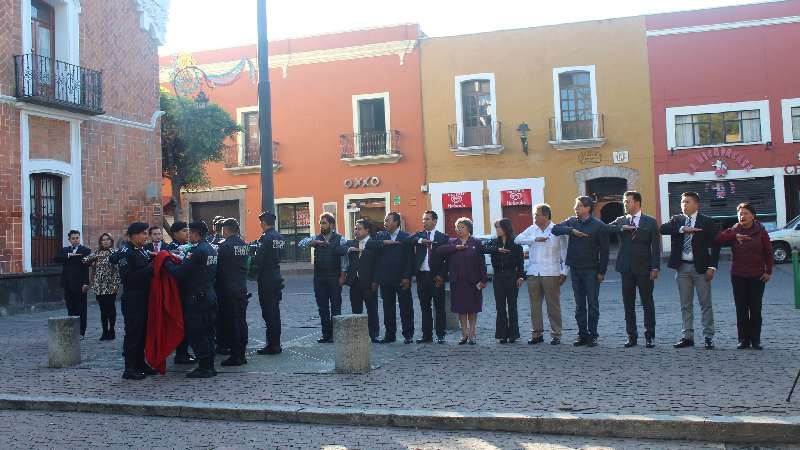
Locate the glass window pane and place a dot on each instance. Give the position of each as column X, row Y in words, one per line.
column 796, row 128
column 796, row 111
column 683, row 135
column 683, row 119
column 733, row 115
column 754, row 114
column 717, row 129
column 733, row 132
column 702, row 134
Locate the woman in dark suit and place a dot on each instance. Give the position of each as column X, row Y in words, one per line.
column 467, row 273
column 509, row 273
column 751, row 268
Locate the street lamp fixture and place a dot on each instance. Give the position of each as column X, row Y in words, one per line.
column 189, row 82
column 523, row 129
column 201, row 100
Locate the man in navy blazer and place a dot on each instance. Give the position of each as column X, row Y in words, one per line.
column 430, row 286
column 75, row 276
column 394, row 273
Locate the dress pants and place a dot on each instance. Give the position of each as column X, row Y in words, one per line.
column 329, row 301
column 108, row 311
column 75, row 299
column 392, row 295
column 366, row 297
column 269, row 297
column 505, row 298
column 134, row 312
column 200, row 318
column 237, row 325
column 549, row 288
column 587, row 306
column 630, row 282
column 689, row 282
column 748, row 293
column 222, row 322
column 429, row 295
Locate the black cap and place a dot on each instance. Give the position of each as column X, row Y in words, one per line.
column 178, row 226
column 230, row 222
column 266, row 214
column 137, row 227
column 199, row 227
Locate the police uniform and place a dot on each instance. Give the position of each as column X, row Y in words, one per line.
column 182, row 355
column 232, row 295
column 267, row 251
column 196, row 276
column 136, row 271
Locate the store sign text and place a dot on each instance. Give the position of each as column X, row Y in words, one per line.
column 519, row 197
column 356, row 183
column 456, row 200
column 718, row 156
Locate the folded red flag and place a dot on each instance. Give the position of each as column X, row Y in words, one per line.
column 164, row 315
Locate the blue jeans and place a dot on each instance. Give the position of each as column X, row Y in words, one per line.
column 586, row 290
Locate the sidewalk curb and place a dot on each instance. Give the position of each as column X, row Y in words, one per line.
column 740, row 429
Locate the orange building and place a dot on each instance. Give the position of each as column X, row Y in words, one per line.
column 347, row 131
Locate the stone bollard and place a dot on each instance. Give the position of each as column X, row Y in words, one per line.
column 452, row 318
column 351, row 338
column 63, row 341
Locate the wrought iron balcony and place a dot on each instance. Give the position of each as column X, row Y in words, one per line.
column 580, row 131
column 247, row 158
column 476, row 140
column 370, row 147
column 50, row 82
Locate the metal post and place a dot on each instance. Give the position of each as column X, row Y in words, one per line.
column 264, row 112
column 796, row 272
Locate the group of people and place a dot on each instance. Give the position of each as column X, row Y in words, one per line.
column 210, row 271
column 385, row 263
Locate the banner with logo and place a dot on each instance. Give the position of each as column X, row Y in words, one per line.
column 516, row 197
column 455, row 200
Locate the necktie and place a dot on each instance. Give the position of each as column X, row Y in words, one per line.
column 687, row 238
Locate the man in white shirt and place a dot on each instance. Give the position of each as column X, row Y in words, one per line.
column 547, row 271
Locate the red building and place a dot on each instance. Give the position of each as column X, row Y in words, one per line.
column 726, row 108
column 79, row 135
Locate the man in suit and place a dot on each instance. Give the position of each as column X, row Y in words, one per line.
column 694, row 255
column 362, row 261
column 638, row 263
column 430, row 286
column 75, row 276
column 394, row 276
column 156, row 244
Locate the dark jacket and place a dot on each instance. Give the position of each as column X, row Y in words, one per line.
column 394, row 261
column 512, row 263
column 151, row 248
column 361, row 267
column 466, row 266
column 585, row 252
column 267, row 256
column 196, row 274
column 421, row 250
column 232, row 267
column 136, row 272
column 75, row 274
column 328, row 258
column 640, row 249
column 751, row 258
column 704, row 249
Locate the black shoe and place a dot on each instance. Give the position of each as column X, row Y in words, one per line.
column 408, row 341
column 185, row 359
column 709, row 344
column 462, row 341
column 223, row 350
column 512, row 340
column 631, row 342
column 147, row 370
column 104, row 336
column 424, row 340
column 387, row 340
column 270, row 350
column 472, row 342
column 592, row 342
column 580, row 342
column 325, row 340
column 743, row 345
column 649, row 343
column 684, row 343
column 112, row 334
column 234, row 361
column 757, row 346
column 536, row 340
column 440, row 340
column 201, row 373
column 555, row 341
column 375, row 340
column 132, row 375
column 504, row 341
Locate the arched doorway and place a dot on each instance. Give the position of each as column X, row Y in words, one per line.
column 607, row 194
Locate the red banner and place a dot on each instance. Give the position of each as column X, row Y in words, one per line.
column 516, row 197
column 455, row 200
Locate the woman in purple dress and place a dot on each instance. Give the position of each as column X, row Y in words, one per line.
column 467, row 273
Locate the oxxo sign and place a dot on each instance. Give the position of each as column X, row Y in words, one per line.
column 356, row 183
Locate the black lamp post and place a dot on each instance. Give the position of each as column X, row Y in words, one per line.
column 523, row 129
column 264, row 112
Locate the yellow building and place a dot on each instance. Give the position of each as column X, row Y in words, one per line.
column 583, row 91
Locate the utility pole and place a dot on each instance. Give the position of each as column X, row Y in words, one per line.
column 265, row 113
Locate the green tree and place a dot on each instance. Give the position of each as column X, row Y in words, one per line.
column 190, row 138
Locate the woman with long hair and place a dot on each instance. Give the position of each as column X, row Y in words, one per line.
column 105, row 284
column 509, row 274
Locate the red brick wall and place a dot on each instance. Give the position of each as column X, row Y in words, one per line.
column 10, row 191
column 49, row 138
column 10, row 43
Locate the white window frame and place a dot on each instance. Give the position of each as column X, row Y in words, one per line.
column 357, row 119
column 557, row 97
column 67, row 29
column 240, row 112
column 786, row 112
column 474, row 187
column 761, row 105
column 459, row 79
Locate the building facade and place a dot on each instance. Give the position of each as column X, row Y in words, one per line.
column 581, row 90
column 726, row 108
column 347, row 131
column 79, row 136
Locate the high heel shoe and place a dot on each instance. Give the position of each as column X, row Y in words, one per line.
column 462, row 341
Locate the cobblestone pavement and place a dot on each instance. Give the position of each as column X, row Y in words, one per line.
column 486, row 377
column 29, row 430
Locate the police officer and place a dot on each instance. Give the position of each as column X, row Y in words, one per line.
column 222, row 327
column 196, row 275
column 212, row 236
column 218, row 227
column 270, row 283
column 136, row 271
column 232, row 290
column 180, row 236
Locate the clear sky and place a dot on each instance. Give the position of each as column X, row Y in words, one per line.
column 205, row 24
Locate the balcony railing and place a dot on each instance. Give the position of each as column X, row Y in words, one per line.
column 248, row 156
column 476, row 140
column 369, row 144
column 50, row 82
column 583, row 130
